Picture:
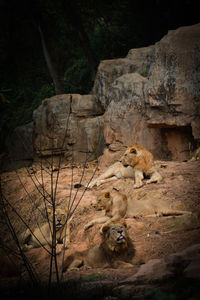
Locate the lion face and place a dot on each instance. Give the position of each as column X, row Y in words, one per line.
column 130, row 157
column 60, row 216
column 103, row 201
column 115, row 234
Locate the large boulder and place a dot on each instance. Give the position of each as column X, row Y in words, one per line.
column 71, row 125
column 137, row 60
column 152, row 97
column 163, row 274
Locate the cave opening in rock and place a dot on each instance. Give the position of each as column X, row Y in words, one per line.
column 179, row 142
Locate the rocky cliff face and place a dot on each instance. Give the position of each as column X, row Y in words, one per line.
column 152, row 97
column 71, row 125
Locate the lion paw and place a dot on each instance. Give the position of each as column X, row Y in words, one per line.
column 137, row 185
column 87, row 226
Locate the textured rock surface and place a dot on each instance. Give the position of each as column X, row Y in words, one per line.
column 181, row 263
column 185, row 264
column 152, row 96
column 69, row 124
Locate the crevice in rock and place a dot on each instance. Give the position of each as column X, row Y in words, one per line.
column 178, row 142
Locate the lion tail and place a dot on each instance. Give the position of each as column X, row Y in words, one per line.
column 176, row 212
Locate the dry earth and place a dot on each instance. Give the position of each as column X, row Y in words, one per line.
column 152, row 237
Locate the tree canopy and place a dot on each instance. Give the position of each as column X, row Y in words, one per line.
column 49, row 47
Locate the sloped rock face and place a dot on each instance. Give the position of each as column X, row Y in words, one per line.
column 71, row 125
column 152, row 97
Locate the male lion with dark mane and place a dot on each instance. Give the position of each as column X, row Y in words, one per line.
column 115, row 251
column 135, row 163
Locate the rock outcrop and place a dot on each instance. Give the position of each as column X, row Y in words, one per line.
column 71, row 125
column 184, row 265
column 152, row 97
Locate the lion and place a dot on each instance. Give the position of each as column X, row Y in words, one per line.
column 135, row 163
column 115, row 251
column 115, row 205
column 142, row 162
column 152, row 205
column 40, row 236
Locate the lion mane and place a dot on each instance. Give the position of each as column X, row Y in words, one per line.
column 115, row 251
column 135, row 163
column 142, row 161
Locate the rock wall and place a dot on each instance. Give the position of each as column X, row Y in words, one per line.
column 152, row 97
column 71, row 125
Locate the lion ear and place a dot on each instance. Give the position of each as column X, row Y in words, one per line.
column 107, row 195
column 133, row 150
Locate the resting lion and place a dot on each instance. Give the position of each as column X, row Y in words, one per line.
column 152, row 205
column 37, row 237
column 115, row 251
column 115, row 205
column 135, row 163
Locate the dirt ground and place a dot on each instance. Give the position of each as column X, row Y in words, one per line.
column 152, row 237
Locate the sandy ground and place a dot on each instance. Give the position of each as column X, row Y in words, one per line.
column 152, row 237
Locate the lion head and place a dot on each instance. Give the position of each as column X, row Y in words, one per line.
column 116, row 250
column 60, row 216
column 130, row 157
column 115, row 237
column 139, row 158
column 104, row 201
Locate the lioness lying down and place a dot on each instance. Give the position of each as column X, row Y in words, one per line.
column 37, row 237
column 115, row 205
column 135, row 163
column 152, row 205
column 115, row 251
